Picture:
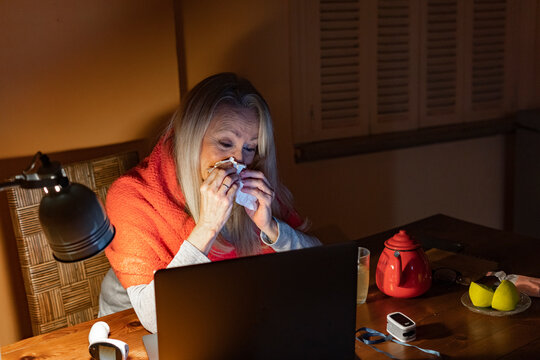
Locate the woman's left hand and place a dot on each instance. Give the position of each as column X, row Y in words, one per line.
column 256, row 184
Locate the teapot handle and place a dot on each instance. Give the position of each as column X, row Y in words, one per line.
column 395, row 269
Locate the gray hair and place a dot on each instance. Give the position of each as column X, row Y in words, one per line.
column 190, row 124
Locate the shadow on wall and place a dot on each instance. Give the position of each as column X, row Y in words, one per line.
column 156, row 127
column 353, row 195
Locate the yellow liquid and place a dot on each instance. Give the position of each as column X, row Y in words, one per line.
column 362, row 284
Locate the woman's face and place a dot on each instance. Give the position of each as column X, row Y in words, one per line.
column 232, row 132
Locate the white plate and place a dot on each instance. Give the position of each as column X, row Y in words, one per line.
column 522, row 305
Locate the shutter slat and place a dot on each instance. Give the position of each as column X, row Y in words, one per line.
column 391, row 90
column 339, row 34
column 438, row 68
column 489, row 72
column 339, row 16
column 338, row 43
column 392, row 83
column 392, row 40
column 489, row 47
column 339, row 79
column 393, row 109
column 389, row 65
column 393, row 25
column 448, row 52
column 338, row 25
column 442, row 102
column 340, row 104
column 447, row 35
column 400, row 49
column 447, row 93
column 344, row 52
column 439, row 76
column 395, row 99
column 484, row 100
column 393, row 74
column 329, row 88
column 334, row 70
column 335, row 114
column 339, row 96
column 393, row 57
column 482, row 59
column 446, row 19
column 447, row 84
column 338, row 61
column 346, row 6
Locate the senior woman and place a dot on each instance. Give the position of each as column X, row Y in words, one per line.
column 177, row 207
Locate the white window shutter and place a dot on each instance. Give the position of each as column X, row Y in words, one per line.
column 334, row 104
column 362, row 67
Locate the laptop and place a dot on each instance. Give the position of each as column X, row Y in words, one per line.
column 299, row 304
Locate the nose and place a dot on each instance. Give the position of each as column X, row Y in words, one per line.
column 238, row 155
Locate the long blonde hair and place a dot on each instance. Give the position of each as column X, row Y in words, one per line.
column 190, row 124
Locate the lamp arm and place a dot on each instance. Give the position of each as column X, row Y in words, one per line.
column 8, row 184
column 49, row 174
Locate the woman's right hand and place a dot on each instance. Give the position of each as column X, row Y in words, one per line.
column 217, row 199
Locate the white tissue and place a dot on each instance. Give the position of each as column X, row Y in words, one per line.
column 247, row 200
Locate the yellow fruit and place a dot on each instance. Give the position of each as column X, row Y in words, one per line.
column 506, row 296
column 480, row 295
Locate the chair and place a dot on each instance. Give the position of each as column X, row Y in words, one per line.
column 62, row 294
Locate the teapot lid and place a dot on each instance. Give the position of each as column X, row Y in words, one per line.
column 402, row 241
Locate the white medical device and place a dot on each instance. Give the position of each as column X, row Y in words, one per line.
column 103, row 348
column 400, row 326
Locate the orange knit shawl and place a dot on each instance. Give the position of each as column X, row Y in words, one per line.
column 147, row 209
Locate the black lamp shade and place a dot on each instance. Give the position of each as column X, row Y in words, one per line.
column 75, row 223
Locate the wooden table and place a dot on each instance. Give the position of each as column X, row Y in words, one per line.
column 443, row 323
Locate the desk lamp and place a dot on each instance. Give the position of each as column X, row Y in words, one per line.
column 71, row 215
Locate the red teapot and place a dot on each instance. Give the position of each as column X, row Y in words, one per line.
column 403, row 269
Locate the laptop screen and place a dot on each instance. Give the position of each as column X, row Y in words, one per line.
column 299, row 304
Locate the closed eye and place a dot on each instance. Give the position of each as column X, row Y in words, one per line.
column 250, row 149
column 225, row 145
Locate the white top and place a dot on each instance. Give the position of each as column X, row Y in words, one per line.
column 114, row 297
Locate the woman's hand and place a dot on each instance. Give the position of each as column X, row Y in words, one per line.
column 256, row 184
column 217, row 198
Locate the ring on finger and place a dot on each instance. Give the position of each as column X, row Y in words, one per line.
column 227, row 186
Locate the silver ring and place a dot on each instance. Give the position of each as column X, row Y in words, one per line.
column 227, row 186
